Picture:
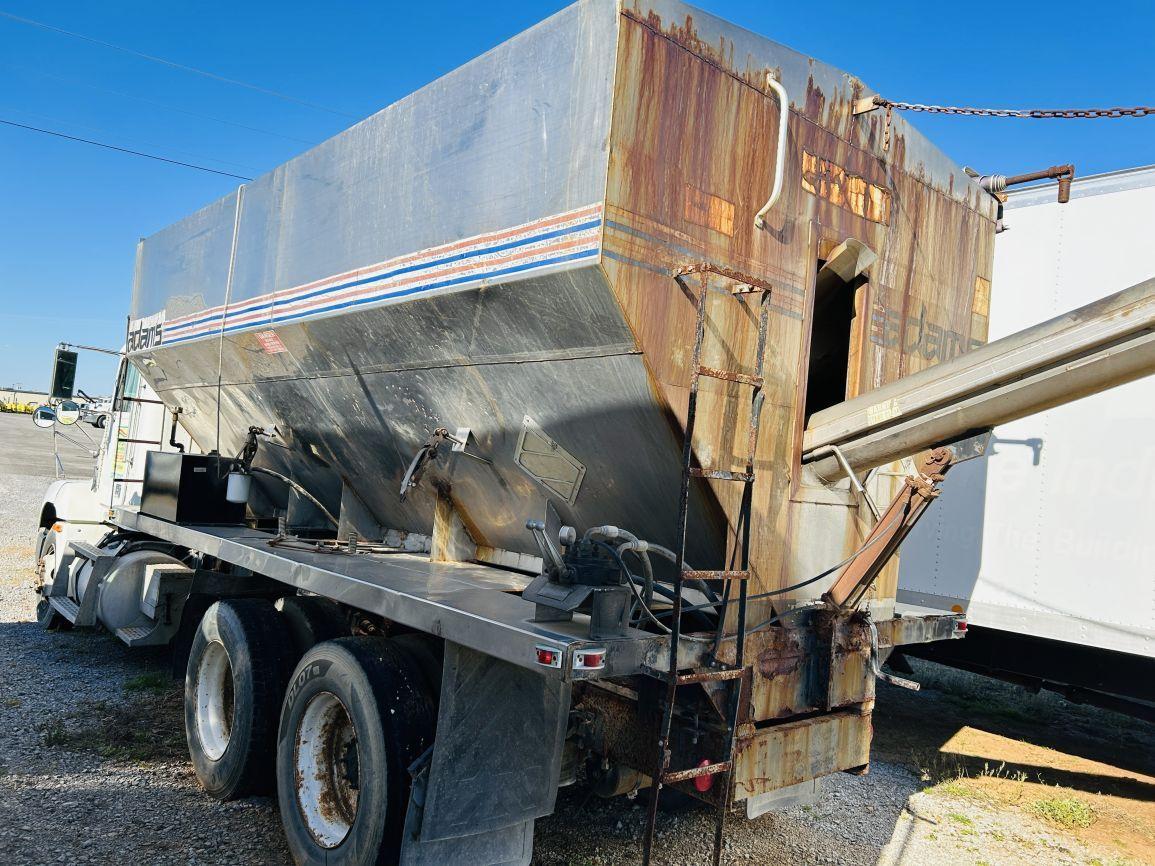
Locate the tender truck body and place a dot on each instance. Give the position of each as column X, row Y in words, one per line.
column 575, row 279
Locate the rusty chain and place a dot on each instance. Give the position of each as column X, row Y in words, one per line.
column 873, row 102
column 1038, row 113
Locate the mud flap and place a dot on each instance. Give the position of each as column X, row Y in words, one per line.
column 495, row 765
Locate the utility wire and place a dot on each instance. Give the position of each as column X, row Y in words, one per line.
column 171, row 63
column 123, row 149
column 137, row 142
column 167, row 105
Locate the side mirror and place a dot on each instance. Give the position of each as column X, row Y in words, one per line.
column 43, row 416
column 68, row 413
column 63, row 376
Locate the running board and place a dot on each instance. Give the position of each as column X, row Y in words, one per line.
column 66, row 607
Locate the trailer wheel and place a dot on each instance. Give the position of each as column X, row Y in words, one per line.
column 311, row 620
column 237, row 670
column 356, row 715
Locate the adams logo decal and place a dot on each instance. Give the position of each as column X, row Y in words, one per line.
column 146, row 333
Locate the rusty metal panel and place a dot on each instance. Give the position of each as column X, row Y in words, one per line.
column 689, row 87
column 786, row 754
column 825, row 666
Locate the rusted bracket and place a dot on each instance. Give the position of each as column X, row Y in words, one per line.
column 892, row 528
column 748, row 283
column 867, row 104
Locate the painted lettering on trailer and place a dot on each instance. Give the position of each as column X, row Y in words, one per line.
column 146, row 333
column 830, row 181
column 917, row 334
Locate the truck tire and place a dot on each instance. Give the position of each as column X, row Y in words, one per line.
column 356, row 716
column 46, row 615
column 311, row 620
column 428, row 653
column 238, row 668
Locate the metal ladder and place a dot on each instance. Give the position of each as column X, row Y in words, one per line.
column 731, row 675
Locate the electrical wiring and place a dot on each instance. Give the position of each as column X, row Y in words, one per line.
column 173, row 64
column 95, row 143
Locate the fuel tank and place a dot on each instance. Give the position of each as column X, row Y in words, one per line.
column 497, row 252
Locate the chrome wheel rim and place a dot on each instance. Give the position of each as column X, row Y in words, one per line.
column 327, row 772
column 215, row 705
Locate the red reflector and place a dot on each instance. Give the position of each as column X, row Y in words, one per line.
column 961, row 625
column 704, row 783
column 546, row 657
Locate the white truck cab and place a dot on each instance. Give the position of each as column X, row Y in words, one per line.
column 77, row 509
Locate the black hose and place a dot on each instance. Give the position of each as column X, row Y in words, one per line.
column 808, row 580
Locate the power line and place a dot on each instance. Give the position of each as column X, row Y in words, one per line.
column 137, row 142
column 152, row 57
column 123, row 149
column 75, row 83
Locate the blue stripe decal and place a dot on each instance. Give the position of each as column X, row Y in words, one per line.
column 591, row 224
column 354, row 302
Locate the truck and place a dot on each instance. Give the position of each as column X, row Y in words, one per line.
column 560, row 421
column 1034, row 617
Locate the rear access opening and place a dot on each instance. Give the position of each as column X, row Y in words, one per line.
column 832, row 324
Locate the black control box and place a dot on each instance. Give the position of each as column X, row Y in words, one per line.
column 189, row 488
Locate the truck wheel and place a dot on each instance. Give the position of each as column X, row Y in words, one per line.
column 311, row 620
column 356, row 715
column 46, row 615
column 49, row 618
column 238, row 667
column 427, row 652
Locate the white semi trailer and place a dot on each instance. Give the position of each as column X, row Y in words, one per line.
column 1045, row 543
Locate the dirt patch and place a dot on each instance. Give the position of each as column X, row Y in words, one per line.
column 1083, row 776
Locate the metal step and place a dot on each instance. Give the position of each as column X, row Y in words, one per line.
column 715, row 575
column 84, row 550
column 732, row 376
column 720, row 474
column 143, row 635
column 66, row 607
column 696, row 772
column 717, row 676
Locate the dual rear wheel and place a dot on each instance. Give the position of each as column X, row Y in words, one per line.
column 275, row 700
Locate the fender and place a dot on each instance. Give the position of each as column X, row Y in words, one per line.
column 73, row 501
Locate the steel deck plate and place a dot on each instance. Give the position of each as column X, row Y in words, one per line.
column 475, row 605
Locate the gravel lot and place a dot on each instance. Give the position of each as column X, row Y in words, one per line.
column 92, row 770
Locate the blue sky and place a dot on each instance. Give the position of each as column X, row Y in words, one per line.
column 70, row 214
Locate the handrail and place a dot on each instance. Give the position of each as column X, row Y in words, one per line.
column 780, row 161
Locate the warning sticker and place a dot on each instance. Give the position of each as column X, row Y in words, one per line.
column 270, row 342
column 882, row 412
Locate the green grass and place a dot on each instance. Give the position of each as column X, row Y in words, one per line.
column 154, row 681
column 1066, row 812
column 960, row 819
column 147, row 726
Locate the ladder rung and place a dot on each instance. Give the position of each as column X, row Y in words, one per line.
column 732, row 376
column 715, row 575
column 721, row 474
column 697, row 772
column 710, row 676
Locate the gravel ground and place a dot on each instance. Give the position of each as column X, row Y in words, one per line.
column 66, row 803
column 93, row 770
column 97, row 794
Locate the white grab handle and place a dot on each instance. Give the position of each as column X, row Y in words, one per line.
column 780, row 158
